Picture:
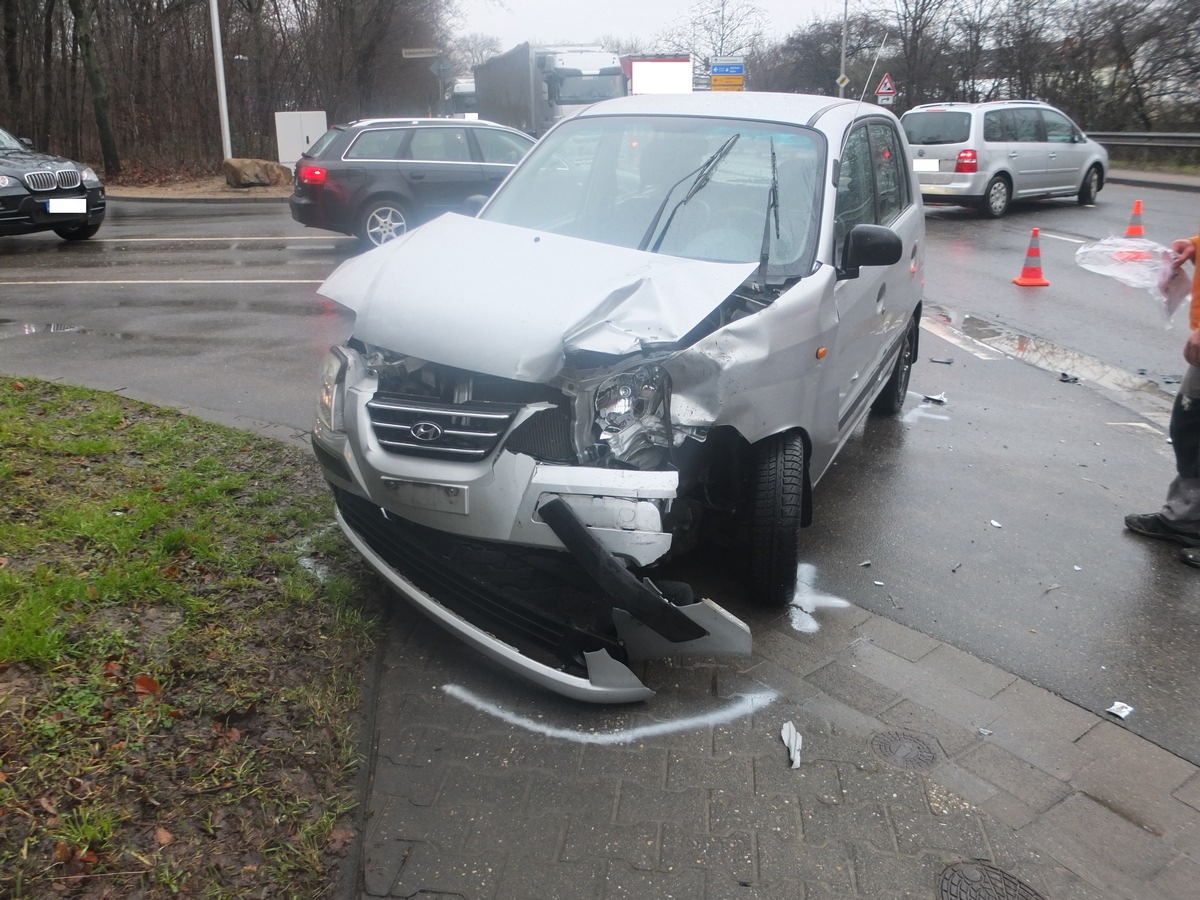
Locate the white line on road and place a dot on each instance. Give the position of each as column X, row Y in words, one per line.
column 1062, row 237
column 174, row 281
column 168, row 240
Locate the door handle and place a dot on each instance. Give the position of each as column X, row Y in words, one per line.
column 417, row 176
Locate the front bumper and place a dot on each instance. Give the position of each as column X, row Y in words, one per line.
column 25, row 213
column 532, row 611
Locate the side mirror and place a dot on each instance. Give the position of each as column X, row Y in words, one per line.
column 27, row 142
column 473, row 204
column 870, row 245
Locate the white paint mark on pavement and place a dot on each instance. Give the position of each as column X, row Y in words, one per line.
column 743, row 705
column 808, row 600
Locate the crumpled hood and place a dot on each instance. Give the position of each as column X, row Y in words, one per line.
column 510, row 302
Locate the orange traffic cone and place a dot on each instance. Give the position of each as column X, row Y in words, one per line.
column 1031, row 274
column 1135, row 228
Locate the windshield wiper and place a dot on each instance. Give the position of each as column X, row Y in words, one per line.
column 772, row 207
column 703, row 174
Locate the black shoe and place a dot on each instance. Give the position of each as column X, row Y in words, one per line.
column 1190, row 556
column 1155, row 526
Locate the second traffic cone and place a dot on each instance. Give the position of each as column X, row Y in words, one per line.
column 1135, row 228
column 1031, row 274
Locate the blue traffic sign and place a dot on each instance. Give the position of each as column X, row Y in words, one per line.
column 729, row 69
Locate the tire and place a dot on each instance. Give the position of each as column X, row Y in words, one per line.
column 776, row 511
column 1090, row 187
column 996, row 198
column 891, row 400
column 76, row 232
column 382, row 221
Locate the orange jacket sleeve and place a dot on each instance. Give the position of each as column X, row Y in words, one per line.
column 1195, row 310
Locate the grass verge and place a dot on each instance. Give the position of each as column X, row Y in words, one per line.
column 182, row 639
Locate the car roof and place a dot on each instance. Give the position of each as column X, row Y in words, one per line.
column 457, row 123
column 987, row 104
column 798, row 109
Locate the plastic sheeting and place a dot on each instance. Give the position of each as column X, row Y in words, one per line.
column 1142, row 264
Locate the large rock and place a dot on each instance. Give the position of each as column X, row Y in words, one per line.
column 241, row 173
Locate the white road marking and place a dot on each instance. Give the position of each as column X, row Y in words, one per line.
column 958, row 339
column 808, row 600
column 743, row 705
column 187, row 240
column 173, row 281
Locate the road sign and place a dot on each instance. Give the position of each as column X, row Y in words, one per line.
column 729, row 69
column 887, row 87
column 443, row 68
column 842, row 80
column 729, row 82
column 419, row 52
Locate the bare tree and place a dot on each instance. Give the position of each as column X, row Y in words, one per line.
column 716, row 28
column 469, row 50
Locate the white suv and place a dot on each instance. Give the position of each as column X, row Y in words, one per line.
column 988, row 154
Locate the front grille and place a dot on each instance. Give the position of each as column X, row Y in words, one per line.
column 539, row 601
column 545, row 435
column 434, row 430
column 66, row 179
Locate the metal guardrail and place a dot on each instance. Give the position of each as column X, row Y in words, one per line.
column 1145, row 139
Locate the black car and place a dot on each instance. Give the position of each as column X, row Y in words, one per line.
column 43, row 192
column 375, row 178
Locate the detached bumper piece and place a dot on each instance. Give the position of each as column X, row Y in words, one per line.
column 538, row 612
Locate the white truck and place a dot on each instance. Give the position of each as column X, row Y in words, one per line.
column 658, row 73
column 531, row 88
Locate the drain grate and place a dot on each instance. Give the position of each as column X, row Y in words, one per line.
column 975, row 881
column 908, row 751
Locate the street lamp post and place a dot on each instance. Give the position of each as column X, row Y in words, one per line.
column 219, row 62
column 842, row 72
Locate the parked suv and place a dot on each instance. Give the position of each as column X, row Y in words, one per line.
column 659, row 331
column 989, row 154
column 376, row 178
column 43, row 192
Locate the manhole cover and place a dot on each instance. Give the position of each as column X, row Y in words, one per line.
column 904, row 750
column 975, row 881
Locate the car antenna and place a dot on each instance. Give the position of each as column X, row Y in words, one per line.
column 863, row 95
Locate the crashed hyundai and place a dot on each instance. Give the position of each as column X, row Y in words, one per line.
column 659, row 331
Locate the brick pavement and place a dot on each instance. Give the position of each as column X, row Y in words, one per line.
column 483, row 787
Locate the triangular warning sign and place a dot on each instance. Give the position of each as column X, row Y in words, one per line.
column 886, row 85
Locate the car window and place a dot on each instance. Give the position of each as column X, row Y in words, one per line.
column 380, row 143
column 998, row 126
column 500, row 146
column 1027, row 125
column 937, row 127
column 891, row 177
column 321, row 144
column 1059, row 129
column 439, row 145
column 856, row 189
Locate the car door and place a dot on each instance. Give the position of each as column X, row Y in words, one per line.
column 875, row 188
column 498, row 152
column 1028, row 154
column 439, row 171
column 1066, row 152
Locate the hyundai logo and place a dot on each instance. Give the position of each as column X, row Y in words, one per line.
column 426, row 431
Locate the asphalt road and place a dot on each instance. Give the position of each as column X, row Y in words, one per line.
column 991, row 522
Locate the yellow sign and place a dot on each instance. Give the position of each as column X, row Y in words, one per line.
column 727, row 87
column 733, row 82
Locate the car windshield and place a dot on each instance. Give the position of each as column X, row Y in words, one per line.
column 8, row 142
column 575, row 90
column 700, row 188
column 937, row 127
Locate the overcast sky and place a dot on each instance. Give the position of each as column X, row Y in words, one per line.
column 584, row 21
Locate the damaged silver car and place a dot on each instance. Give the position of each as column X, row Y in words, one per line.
column 659, row 331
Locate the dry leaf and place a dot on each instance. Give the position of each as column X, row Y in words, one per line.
column 145, row 686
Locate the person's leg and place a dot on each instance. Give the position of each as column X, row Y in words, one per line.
column 1179, row 518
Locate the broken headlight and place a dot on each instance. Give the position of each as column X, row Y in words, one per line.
column 633, row 412
column 333, row 389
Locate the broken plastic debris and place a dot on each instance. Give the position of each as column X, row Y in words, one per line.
column 1069, row 379
column 996, row 524
column 865, row 562
column 793, row 740
column 940, row 398
column 1119, row 709
column 945, row 360
column 1079, row 568
column 985, row 731
column 879, row 583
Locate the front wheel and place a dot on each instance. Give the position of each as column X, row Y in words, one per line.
column 1090, row 187
column 76, row 232
column 776, row 510
column 891, row 400
column 995, row 199
column 383, row 221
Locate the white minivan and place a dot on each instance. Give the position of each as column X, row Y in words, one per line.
column 988, row 154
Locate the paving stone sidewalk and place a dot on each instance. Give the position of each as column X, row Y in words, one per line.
column 925, row 773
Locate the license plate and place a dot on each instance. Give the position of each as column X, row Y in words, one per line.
column 450, row 498
column 925, row 165
column 67, row 205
